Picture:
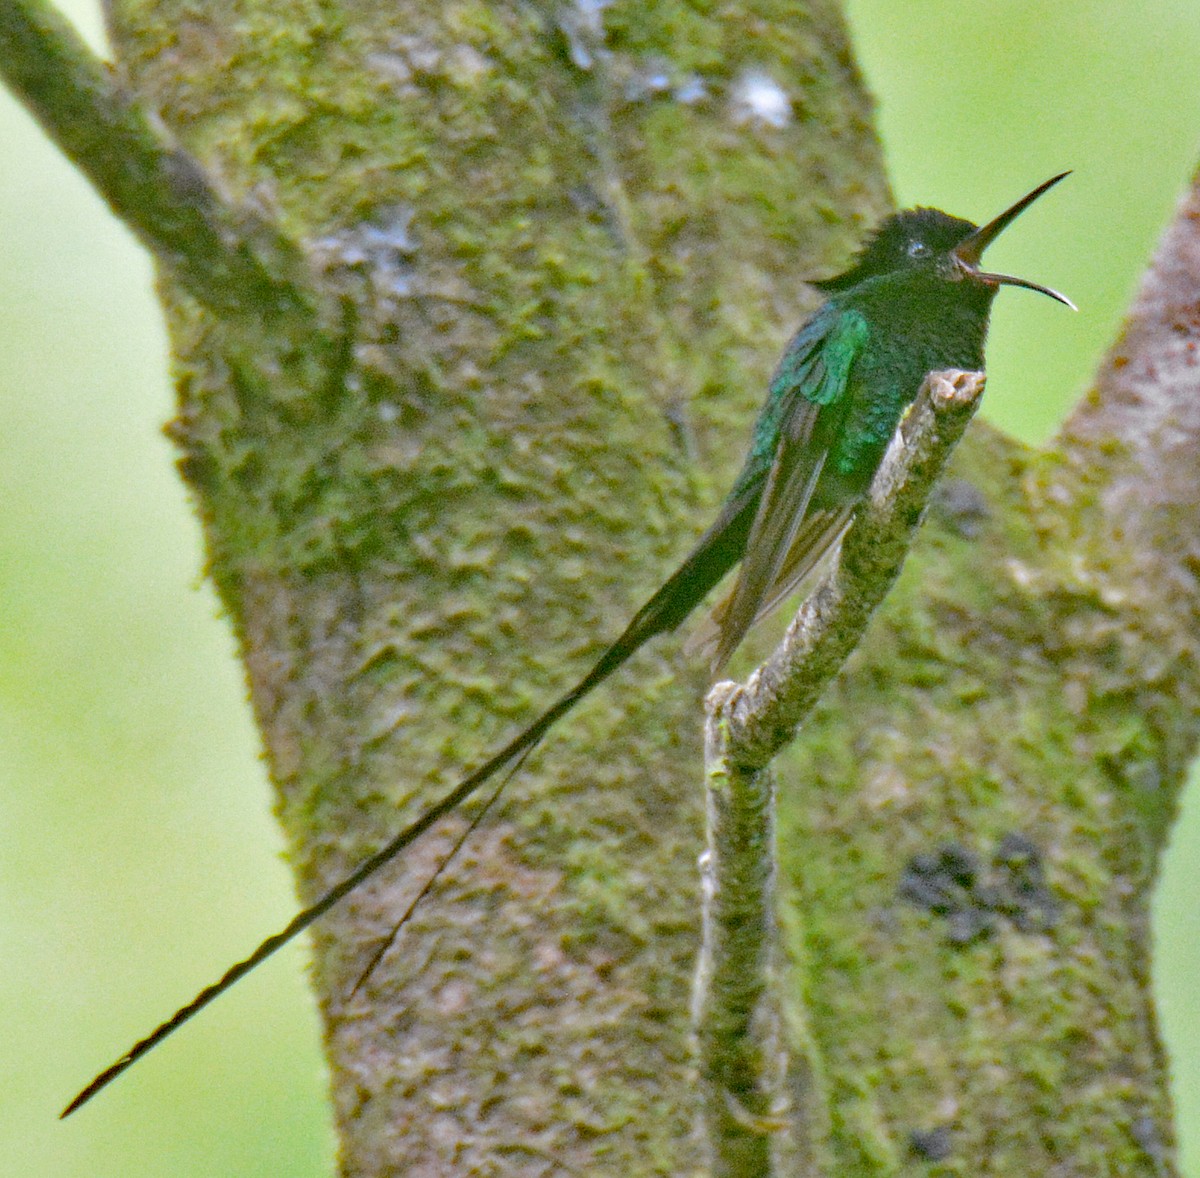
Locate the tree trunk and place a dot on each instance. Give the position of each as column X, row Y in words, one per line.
column 570, row 255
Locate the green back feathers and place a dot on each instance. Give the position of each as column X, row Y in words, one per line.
column 815, row 366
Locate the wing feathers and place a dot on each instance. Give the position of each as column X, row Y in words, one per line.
column 810, row 395
column 781, row 510
column 817, row 537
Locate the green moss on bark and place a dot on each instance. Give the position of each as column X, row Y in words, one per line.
column 567, row 293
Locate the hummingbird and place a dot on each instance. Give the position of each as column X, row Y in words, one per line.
column 914, row 301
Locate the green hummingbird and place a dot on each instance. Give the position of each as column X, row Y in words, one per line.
column 914, row 301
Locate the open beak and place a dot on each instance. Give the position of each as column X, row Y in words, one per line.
column 968, row 252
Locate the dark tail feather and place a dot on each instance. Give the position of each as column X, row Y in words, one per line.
column 387, row 942
column 817, row 536
column 716, row 552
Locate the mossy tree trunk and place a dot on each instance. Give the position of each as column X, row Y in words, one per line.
column 572, row 251
column 552, row 251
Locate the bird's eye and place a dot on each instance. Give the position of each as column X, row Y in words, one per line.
column 918, row 249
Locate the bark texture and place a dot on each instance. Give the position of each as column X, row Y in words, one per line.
column 571, row 244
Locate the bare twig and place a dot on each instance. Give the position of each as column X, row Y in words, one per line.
column 736, row 1017
column 234, row 263
column 736, row 1011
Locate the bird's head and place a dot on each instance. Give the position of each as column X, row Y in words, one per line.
column 947, row 248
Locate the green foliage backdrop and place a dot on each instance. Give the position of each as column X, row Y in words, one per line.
column 137, row 853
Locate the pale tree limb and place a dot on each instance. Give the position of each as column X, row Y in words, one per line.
column 736, row 1010
column 1137, row 434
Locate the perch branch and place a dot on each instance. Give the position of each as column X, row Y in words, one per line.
column 736, row 1020
column 233, row 263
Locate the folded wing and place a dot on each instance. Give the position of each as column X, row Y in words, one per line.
column 807, row 408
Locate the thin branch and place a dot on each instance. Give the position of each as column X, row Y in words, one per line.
column 234, row 264
column 735, row 1012
column 763, row 714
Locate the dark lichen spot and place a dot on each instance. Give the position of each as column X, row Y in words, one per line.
column 968, row 924
column 931, row 1144
column 952, row 882
column 1020, row 882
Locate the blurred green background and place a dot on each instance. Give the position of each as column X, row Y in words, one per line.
column 137, row 852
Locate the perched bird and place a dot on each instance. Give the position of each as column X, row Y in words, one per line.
column 915, row 301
